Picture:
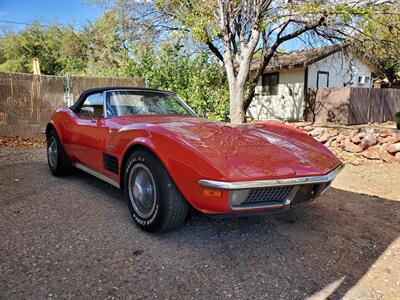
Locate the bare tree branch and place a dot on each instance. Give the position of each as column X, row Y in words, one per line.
column 214, row 50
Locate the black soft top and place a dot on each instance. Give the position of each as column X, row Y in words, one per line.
column 78, row 104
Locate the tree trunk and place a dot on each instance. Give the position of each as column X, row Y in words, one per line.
column 250, row 95
column 237, row 113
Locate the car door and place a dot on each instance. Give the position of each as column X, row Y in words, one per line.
column 89, row 134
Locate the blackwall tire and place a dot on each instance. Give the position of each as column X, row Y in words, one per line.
column 154, row 201
column 57, row 159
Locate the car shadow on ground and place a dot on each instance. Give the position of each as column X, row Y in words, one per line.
column 335, row 239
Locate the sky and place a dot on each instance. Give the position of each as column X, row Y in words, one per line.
column 74, row 12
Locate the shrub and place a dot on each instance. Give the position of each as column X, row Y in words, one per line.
column 396, row 118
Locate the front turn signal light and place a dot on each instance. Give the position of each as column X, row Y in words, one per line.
column 212, row 193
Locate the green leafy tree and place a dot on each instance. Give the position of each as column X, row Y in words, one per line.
column 195, row 78
column 234, row 30
column 58, row 50
column 380, row 40
column 34, row 42
column 73, row 52
column 109, row 48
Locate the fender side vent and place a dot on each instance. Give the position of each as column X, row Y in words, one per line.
column 110, row 163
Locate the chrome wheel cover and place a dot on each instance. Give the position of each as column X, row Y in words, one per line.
column 52, row 152
column 142, row 190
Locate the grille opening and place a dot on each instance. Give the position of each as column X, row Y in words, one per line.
column 276, row 196
column 268, row 194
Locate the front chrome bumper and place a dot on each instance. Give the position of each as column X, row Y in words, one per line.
column 264, row 194
column 224, row 185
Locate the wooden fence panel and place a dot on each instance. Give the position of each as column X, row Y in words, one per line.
column 350, row 106
column 327, row 105
column 360, row 106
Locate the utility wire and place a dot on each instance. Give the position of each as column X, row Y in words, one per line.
column 21, row 23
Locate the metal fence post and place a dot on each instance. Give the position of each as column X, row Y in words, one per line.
column 68, row 97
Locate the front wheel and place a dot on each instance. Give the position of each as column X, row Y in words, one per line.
column 56, row 157
column 154, row 201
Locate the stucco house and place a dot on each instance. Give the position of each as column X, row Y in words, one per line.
column 280, row 91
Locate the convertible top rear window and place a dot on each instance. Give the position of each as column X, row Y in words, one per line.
column 122, row 103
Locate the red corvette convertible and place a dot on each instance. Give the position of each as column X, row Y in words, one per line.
column 151, row 145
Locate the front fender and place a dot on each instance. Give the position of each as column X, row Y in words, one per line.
column 185, row 166
column 58, row 120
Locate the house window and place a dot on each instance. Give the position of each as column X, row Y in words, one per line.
column 363, row 79
column 270, row 83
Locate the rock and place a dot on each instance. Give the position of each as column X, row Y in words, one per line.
column 385, row 155
column 396, row 138
column 393, row 148
column 316, row 132
column 356, row 162
column 330, row 141
column 355, row 139
column 340, row 137
column 334, row 144
column 386, row 140
column 345, row 141
column 351, row 147
column 353, row 133
column 372, row 152
column 308, row 128
column 365, row 130
column 386, row 133
column 342, row 143
column 397, row 156
column 324, row 137
column 362, row 135
column 368, row 141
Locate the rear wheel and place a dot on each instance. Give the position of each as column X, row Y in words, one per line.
column 57, row 159
column 154, row 201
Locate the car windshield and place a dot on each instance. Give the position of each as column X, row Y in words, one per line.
column 122, row 103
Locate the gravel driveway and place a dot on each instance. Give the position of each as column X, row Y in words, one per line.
column 73, row 237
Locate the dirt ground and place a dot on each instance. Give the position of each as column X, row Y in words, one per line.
column 73, row 237
column 374, row 178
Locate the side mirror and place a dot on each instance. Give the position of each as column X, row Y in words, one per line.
column 89, row 110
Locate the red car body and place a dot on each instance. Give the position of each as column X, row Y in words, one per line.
column 202, row 157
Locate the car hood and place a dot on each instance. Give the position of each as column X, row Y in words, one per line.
column 250, row 151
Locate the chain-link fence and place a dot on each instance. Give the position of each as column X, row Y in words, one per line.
column 28, row 101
